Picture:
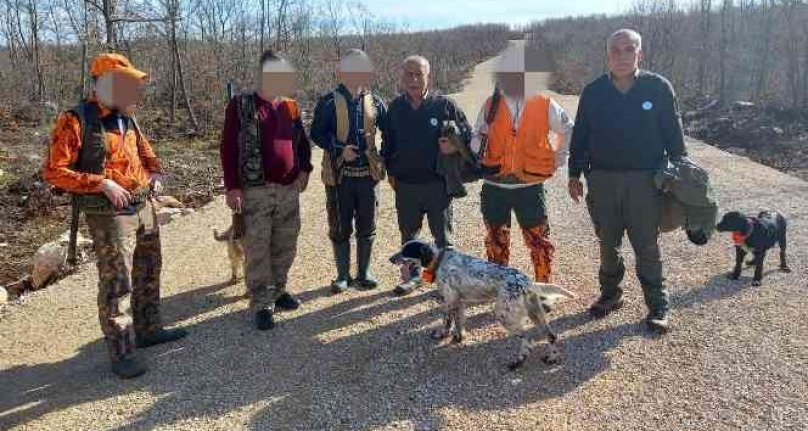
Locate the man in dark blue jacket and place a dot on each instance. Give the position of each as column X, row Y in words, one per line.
column 411, row 150
column 628, row 125
column 345, row 125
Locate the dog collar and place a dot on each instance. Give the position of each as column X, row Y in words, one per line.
column 739, row 238
column 429, row 273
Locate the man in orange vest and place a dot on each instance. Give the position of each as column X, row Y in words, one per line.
column 513, row 133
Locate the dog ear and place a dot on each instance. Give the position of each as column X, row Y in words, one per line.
column 427, row 254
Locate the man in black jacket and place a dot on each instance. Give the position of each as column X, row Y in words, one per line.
column 411, row 150
column 628, row 123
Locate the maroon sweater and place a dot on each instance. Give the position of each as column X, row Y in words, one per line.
column 282, row 164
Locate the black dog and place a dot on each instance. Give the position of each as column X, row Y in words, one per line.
column 756, row 235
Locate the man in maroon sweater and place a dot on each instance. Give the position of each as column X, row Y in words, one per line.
column 266, row 159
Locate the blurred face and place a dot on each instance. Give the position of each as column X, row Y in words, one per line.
column 278, row 84
column 511, row 83
column 414, row 79
column 116, row 90
column 623, row 57
column 356, row 81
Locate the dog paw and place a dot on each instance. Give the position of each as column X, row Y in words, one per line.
column 439, row 334
column 756, row 283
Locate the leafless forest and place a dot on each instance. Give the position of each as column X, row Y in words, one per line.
column 194, row 48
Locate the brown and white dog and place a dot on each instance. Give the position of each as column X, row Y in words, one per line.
column 465, row 280
column 233, row 236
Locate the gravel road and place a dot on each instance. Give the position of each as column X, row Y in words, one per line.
column 736, row 358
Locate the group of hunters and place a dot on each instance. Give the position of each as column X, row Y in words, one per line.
column 627, row 124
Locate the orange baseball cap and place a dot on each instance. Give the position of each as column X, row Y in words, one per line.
column 111, row 62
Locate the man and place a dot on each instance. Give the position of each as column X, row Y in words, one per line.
column 345, row 124
column 627, row 125
column 266, row 160
column 99, row 154
column 415, row 123
column 514, row 133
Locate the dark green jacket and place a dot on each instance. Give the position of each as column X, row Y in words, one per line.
column 690, row 202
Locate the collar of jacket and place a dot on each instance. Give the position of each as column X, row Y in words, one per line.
column 350, row 97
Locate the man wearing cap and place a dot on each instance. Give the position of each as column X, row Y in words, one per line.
column 345, row 125
column 513, row 134
column 628, row 123
column 99, row 154
column 266, row 161
column 415, row 138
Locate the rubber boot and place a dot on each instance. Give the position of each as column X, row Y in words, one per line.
column 364, row 253
column 342, row 257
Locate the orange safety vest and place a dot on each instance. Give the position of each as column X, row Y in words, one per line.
column 524, row 154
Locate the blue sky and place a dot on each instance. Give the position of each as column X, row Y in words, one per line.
column 428, row 14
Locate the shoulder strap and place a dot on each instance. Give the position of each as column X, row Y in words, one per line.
column 246, row 109
column 91, row 154
column 493, row 106
column 369, row 114
column 341, row 111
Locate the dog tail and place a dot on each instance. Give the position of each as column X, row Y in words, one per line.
column 224, row 236
column 551, row 293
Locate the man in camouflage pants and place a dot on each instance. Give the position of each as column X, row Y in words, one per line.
column 98, row 154
column 266, row 161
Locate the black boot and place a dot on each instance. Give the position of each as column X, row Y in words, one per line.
column 287, row 302
column 160, row 336
column 342, row 257
column 364, row 253
column 264, row 320
column 128, row 367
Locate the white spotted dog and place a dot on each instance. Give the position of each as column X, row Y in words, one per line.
column 466, row 280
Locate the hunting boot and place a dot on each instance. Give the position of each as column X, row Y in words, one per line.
column 128, row 367
column 264, row 320
column 411, row 280
column 364, row 252
column 342, row 257
column 658, row 321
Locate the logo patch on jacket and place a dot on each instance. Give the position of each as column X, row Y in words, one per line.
column 647, row 105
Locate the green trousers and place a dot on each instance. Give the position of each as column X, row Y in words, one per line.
column 622, row 202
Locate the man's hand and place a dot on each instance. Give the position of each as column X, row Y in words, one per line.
column 446, row 146
column 576, row 189
column 156, row 184
column 303, row 181
column 350, row 153
column 234, row 199
column 117, row 195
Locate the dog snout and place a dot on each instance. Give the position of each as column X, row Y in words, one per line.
column 396, row 259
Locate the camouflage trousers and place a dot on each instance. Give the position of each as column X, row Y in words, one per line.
column 272, row 225
column 528, row 204
column 127, row 247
